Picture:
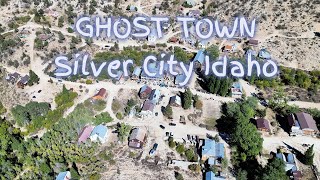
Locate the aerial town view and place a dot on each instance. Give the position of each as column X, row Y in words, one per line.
column 160, row 89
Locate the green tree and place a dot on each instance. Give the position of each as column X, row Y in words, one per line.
column 123, row 131
column 242, row 175
column 213, row 51
column 167, row 112
column 274, row 170
column 308, row 156
column 178, row 176
column 60, row 21
column 180, row 149
column 172, row 144
column 187, row 99
column 2, row 108
column 102, row 118
column 33, row 78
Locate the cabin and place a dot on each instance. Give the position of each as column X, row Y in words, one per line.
column 23, row 81
column 145, row 92
column 264, row 54
column 253, row 42
column 154, row 96
column 136, row 73
column 212, row 149
column 100, row 95
column 137, row 138
column 302, row 124
column 175, row 101
column 85, row 134
column 263, row 125
column 100, row 133
column 13, row 77
column 153, row 68
column 199, row 59
column 64, row 176
column 194, row 13
column 212, row 176
column 236, row 89
column 147, row 108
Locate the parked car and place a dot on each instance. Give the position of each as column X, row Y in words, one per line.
column 162, row 127
column 172, row 124
column 153, row 150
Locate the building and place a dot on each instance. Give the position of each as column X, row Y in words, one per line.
column 154, row 68
column 199, row 58
column 101, row 94
column 154, row 96
column 194, row 13
column 179, row 79
column 119, row 76
column 236, row 89
column 133, row 8
column 136, row 73
column 212, row 149
column 100, row 133
column 302, row 124
column 23, row 81
column 227, row 48
column 43, row 37
column 64, row 176
column 252, row 52
column 175, row 101
column 145, row 92
column 13, row 77
column 85, row 134
column 289, row 159
column 264, row 54
column 173, row 40
column 253, row 42
column 191, row 2
column 152, row 37
column 211, row 176
column 137, row 138
column 147, row 108
column 263, row 125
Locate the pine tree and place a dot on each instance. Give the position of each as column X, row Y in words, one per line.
column 308, row 156
column 187, row 99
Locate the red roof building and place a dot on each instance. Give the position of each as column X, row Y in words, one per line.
column 85, row 134
column 101, row 94
column 263, row 125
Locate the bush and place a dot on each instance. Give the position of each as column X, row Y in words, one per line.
column 180, row 149
column 178, row 176
column 88, row 81
column 119, row 115
column 102, row 118
column 167, row 111
column 194, row 167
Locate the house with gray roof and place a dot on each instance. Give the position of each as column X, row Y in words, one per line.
column 175, row 101
column 154, row 96
column 147, row 108
column 137, row 138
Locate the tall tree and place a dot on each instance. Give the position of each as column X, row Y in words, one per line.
column 308, row 156
column 187, row 99
column 274, row 170
column 33, row 78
